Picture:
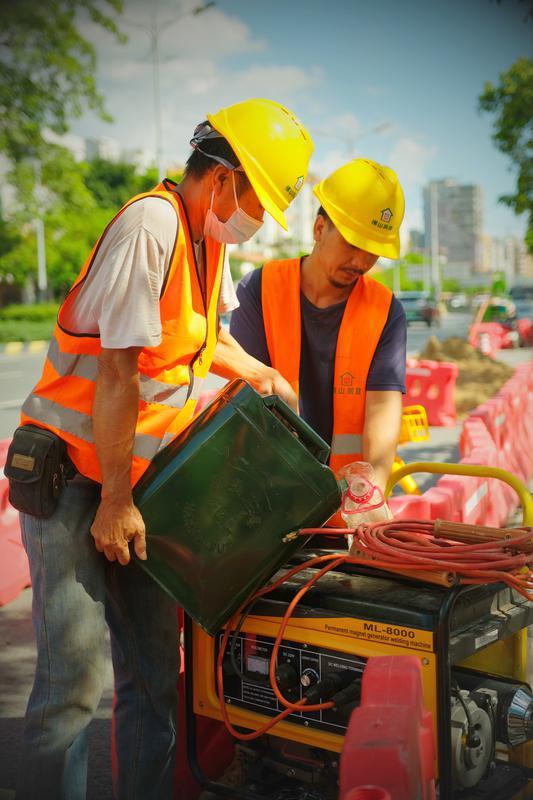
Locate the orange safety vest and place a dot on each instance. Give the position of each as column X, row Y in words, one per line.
column 363, row 321
column 170, row 374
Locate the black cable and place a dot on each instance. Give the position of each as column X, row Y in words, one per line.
column 470, row 724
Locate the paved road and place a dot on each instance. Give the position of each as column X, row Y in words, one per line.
column 20, row 372
column 18, row 375
column 455, row 324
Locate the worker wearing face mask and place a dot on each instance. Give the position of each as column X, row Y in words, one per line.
column 333, row 332
column 136, row 335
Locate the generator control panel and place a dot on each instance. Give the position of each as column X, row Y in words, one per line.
column 299, row 667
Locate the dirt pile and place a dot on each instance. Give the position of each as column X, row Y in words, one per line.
column 479, row 376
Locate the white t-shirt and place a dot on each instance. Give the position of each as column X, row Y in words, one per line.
column 120, row 296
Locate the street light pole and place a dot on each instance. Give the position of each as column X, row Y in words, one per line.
column 154, row 30
column 154, row 51
column 42, row 282
column 435, row 266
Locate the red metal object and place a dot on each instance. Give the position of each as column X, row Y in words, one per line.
column 214, row 745
column 389, row 744
column 215, row 748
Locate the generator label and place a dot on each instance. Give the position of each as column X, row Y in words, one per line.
column 385, row 633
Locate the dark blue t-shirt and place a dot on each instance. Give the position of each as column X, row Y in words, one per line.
column 320, row 330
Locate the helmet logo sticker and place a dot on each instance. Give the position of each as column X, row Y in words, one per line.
column 293, row 191
column 386, row 215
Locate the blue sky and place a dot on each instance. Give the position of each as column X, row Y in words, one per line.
column 345, row 67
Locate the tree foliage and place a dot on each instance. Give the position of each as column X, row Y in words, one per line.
column 76, row 203
column 47, row 68
column 113, row 183
column 512, row 103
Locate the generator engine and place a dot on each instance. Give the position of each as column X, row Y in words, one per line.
column 486, row 712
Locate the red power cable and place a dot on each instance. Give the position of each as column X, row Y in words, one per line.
column 397, row 545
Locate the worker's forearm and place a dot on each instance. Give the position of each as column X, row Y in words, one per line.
column 115, row 412
column 383, row 418
column 232, row 361
column 381, row 461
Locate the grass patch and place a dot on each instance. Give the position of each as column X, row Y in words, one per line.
column 27, row 323
column 38, row 312
column 16, row 330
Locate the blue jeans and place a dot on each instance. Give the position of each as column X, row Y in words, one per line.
column 76, row 591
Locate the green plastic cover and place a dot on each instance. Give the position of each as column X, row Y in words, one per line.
column 218, row 500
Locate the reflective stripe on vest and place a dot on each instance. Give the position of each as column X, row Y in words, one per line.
column 170, row 374
column 346, row 444
column 363, row 321
column 81, row 425
column 85, row 366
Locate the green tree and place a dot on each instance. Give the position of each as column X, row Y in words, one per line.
column 78, row 201
column 113, row 183
column 47, row 69
column 512, row 102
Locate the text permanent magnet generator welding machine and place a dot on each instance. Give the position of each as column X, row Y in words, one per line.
column 257, row 473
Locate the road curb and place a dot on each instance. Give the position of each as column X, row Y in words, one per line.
column 16, row 348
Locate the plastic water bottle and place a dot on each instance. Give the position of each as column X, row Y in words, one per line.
column 362, row 500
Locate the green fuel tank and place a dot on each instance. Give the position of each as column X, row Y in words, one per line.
column 218, row 500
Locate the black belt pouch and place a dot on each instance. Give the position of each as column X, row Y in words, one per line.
column 35, row 468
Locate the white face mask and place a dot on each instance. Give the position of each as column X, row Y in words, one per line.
column 238, row 228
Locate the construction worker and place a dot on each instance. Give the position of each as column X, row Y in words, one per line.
column 135, row 337
column 334, row 333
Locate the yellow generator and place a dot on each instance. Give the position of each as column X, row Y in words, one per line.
column 472, row 673
column 470, row 642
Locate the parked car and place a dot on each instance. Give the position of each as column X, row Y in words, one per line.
column 419, row 307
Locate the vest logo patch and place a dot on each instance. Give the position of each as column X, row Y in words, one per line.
column 347, row 385
column 347, row 379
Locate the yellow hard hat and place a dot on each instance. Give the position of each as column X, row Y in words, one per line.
column 273, row 147
column 365, row 202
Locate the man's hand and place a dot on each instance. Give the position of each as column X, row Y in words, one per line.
column 274, row 383
column 117, row 523
column 115, row 411
column 231, row 361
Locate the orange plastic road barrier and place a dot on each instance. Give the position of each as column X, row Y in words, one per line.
column 432, row 383
column 14, row 568
column 389, row 741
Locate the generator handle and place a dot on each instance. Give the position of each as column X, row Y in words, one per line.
column 473, row 470
column 309, row 438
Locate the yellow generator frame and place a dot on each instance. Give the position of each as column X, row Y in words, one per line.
column 354, row 614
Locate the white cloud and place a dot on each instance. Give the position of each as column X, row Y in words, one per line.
column 409, row 158
column 196, row 75
column 212, row 33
